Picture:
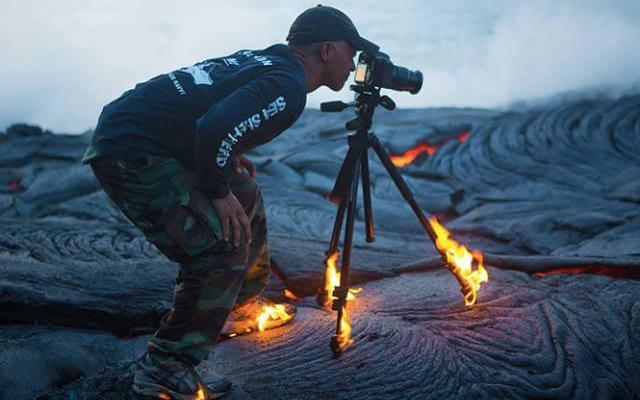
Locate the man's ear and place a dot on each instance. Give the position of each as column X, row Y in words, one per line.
column 327, row 50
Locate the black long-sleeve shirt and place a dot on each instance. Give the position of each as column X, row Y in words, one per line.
column 207, row 113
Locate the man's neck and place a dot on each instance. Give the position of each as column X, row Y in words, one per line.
column 311, row 69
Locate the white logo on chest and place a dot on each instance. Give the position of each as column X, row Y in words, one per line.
column 199, row 73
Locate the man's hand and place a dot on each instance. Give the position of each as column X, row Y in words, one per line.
column 232, row 214
column 242, row 161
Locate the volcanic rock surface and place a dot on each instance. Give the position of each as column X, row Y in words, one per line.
column 550, row 194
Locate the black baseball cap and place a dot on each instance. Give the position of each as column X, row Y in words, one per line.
column 322, row 23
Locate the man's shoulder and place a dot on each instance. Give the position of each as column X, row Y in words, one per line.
column 282, row 71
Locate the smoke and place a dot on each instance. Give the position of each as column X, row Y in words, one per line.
column 63, row 60
column 538, row 52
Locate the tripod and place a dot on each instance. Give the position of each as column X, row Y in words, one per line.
column 345, row 192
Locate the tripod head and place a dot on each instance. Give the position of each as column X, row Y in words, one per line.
column 367, row 98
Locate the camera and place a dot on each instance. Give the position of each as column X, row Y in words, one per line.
column 378, row 70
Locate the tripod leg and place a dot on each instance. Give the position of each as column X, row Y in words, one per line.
column 366, row 194
column 401, row 184
column 347, row 246
column 337, row 227
column 324, row 297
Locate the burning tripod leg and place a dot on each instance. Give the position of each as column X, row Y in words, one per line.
column 342, row 337
column 455, row 256
column 340, row 294
column 331, row 275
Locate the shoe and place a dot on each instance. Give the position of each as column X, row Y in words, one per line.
column 151, row 381
column 258, row 315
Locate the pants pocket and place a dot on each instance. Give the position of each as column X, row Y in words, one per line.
column 191, row 223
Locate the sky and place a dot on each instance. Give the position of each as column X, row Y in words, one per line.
column 62, row 61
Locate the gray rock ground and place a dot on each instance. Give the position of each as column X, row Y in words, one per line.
column 539, row 190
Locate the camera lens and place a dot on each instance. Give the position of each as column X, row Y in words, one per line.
column 405, row 80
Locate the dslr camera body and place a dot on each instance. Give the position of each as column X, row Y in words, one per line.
column 377, row 70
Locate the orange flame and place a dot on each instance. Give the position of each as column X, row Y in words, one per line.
column 343, row 337
column 331, row 281
column 460, row 261
column 199, row 395
column 331, row 277
column 274, row 312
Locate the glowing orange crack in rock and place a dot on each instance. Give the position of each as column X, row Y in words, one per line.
column 460, row 261
column 410, row 155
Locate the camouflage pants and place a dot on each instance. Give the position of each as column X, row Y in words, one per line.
column 158, row 196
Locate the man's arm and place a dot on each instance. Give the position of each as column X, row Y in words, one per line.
column 251, row 115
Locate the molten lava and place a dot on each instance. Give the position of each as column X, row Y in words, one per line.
column 618, row 272
column 460, row 261
column 290, row 295
column 410, row 155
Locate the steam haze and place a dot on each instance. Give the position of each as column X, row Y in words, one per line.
column 63, row 60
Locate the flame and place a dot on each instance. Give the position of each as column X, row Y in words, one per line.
column 460, row 261
column 331, row 277
column 200, row 395
column 331, row 281
column 463, row 136
column 290, row 295
column 343, row 338
column 15, row 185
column 274, row 312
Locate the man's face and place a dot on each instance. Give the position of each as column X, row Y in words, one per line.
column 339, row 65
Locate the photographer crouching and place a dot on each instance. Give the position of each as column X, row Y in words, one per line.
column 168, row 153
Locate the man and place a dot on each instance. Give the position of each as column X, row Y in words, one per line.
column 169, row 155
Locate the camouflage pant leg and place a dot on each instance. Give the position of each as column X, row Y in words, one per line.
column 158, row 196
column 257, row 275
